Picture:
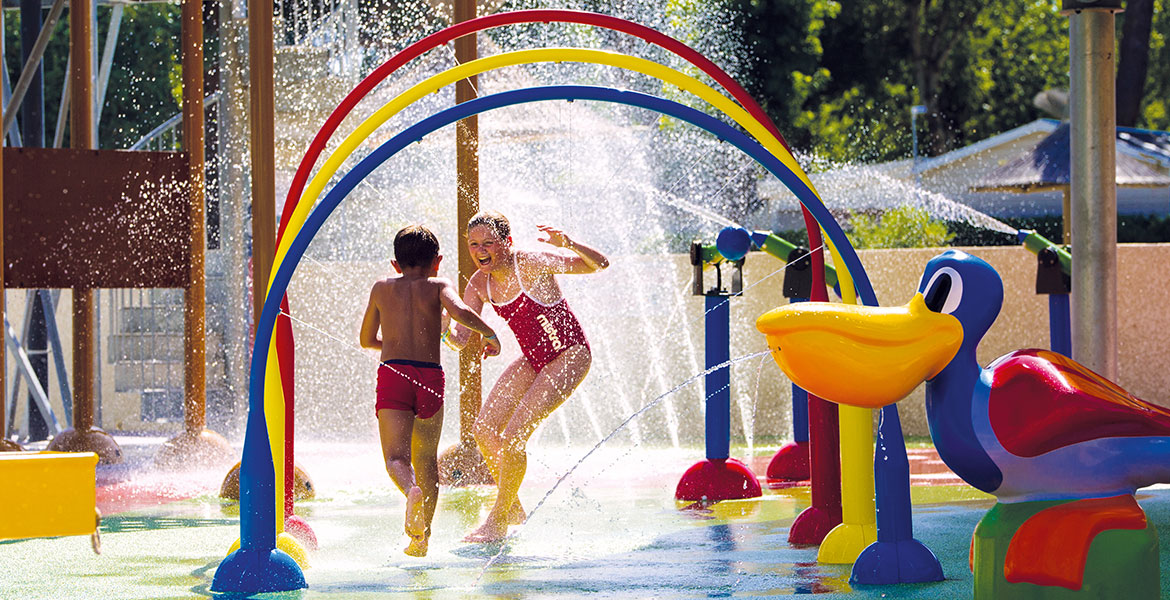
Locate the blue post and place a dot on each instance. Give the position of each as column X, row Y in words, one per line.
column 799, row 414
column 799, row 405
column 717, row 383
column 1059, row 327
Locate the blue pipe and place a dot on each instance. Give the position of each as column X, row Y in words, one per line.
column 1059, row 324
column 717, row 383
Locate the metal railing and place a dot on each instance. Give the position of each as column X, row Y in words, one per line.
column 331, row 24
column 169, row 134
column 145, row 345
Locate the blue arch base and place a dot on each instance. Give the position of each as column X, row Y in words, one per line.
column 897, row 512
column 255, row 571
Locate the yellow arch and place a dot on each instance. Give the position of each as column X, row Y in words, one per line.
column 475, row 67
column 845, row 546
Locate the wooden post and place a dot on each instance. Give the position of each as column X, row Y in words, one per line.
column 467, row 178
column 195, row 443
column 5, row 443
column 263, row 139
column 83, row 437
column 462, row 464
column 194, row 349
column 81, row 137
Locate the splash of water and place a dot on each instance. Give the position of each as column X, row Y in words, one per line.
column 648, row 406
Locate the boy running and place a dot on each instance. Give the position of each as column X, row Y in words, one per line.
column 407, row 313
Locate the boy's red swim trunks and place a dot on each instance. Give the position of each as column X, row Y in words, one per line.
column 411, row 385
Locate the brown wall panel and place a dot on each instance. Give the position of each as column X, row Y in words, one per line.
column 95, row 218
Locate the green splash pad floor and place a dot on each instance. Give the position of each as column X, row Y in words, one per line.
column 609, row 529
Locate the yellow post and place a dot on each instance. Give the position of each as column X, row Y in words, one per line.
column 858, row 527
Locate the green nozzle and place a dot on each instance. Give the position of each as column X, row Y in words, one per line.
column 777, row 246
column 1035, row 242
column 781, row 248
column 709, row 254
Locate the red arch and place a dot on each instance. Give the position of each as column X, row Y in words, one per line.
column 498, row 20
column 284, row 341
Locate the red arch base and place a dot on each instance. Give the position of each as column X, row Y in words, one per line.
column 713, row 480
column 790, row 463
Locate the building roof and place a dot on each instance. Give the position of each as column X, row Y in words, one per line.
column 1047, row 165
column 1152, row 144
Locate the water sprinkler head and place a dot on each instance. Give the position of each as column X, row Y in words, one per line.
column 733, row 242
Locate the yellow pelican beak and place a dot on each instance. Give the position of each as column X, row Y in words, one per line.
column 860, row 355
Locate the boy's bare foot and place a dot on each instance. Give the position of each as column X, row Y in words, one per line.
column 415, row 527
column 417, row 546
column 492, row 530
column 517, row 516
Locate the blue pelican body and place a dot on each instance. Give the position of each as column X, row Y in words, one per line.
column 1032, row 427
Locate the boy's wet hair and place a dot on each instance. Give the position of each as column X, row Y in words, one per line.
column 495, row 221
column 415, row 246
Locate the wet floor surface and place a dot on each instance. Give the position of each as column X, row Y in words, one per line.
column 606, row 528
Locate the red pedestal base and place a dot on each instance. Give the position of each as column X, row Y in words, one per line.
column 300, row 529
column 790, row 463
column 715, row 480
column 811, row 526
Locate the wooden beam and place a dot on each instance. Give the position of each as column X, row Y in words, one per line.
column 194, row 326
column 81, row 138
column 467, row 178
column 263, row 139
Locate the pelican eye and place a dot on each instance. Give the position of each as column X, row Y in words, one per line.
column 944, row 291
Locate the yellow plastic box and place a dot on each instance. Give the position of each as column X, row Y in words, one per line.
column 46, row 494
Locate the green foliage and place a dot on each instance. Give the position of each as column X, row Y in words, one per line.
column 1156, row 105
column 782, row 39
column 839, row 77
column 1011, row 54
column 901, row 227
column 142, row 90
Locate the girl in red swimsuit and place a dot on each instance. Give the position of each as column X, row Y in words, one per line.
column 521, row 286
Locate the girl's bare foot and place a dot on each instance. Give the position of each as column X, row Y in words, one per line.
column 492, row 530
column 415, row 525
column 517, row 516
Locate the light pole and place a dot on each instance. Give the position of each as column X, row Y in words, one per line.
column 917, row 109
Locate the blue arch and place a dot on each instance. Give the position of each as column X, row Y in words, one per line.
column 258, row 509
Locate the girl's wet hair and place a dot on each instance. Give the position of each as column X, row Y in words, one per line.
column 494, row 220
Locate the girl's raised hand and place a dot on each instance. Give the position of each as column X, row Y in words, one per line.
column 556, row 237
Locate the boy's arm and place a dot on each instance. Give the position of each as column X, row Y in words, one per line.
column 468, row 317
column 368, row 337
column 587, row 259
column 460, row 334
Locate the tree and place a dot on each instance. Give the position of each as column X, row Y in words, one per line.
column 1133, row 59
column 783, row 54
column 852, row 102
column 145, row 84
column 1155, row 112
column 935, row 29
